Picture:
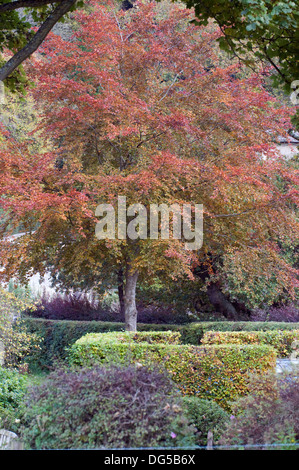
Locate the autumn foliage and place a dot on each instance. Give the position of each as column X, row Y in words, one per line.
column 141, row 104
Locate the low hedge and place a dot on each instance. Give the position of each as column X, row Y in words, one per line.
column 194, row 332
column 58, row 335
column 216, row 372
column 282, row 341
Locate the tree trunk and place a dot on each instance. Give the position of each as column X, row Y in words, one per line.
column 221, row 303
column 130, row 300
column 120, row 288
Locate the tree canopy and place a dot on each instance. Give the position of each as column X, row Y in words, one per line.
column 138, row 104
column 252, row 29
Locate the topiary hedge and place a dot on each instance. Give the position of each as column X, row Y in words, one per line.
column 194, row 332
column 216, row 372
column 57, row 335
column 282, row 341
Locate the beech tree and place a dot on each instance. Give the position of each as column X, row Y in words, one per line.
column 130, row 107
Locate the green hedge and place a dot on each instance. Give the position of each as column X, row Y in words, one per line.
column 194, row 332
column 216, row 372
column 282, row 341
column 57, row 335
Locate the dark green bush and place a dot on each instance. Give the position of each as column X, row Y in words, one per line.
column 100, row 407
column 205, row 416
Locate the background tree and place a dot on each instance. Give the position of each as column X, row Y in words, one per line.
column 129, row 106
column 257, row 30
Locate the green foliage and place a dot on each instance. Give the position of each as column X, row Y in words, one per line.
column 257, row 30
column 56, row 336
column 266, row 28
column 16, row 343
column 282, row 341
column 105, row 407
column 217, row 372
column 179, row 296
column 205, row 415
column 15, row 33
column 194, row 332
column 13, row 387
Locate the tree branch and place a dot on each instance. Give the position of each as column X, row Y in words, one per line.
column 5, row 7
column 37, row 39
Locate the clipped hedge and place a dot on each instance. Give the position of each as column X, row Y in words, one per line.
column 58, row 335
column 194, row 332
column 282, row 341
column 216, row 372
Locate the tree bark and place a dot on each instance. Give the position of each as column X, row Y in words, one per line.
column 221, row 303
column 37, row 39
column 5, row 7
column 120, row 288
column 130, row 300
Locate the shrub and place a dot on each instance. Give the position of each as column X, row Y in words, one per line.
column 194, row 332
column 205, row 416
column 83, row 307
column 67, row 307
column 13, row 388
column 15, row 342
column 281, row 313
column 105, row 407
column 217, row 372
column 268, row 417
column 57, row 336
column 282, row 341
column 159, row 337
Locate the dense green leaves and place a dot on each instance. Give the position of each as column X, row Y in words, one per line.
column 266, row 27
